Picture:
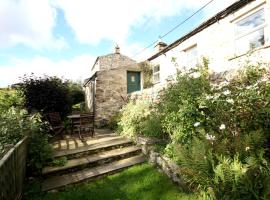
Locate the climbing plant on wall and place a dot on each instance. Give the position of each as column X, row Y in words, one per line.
column 147, row 72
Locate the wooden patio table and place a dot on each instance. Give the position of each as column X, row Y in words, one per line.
column 75, row 121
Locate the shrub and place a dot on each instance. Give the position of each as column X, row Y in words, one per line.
column 219, row 132
column 15, row 124
column 10, row 98
column 179, row 104
column 152, row 126
column 47, row 94
column 75, row 92
column 132, row 116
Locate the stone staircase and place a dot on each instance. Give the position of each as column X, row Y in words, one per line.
column 104, row 154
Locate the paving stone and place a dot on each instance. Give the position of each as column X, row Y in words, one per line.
column 93, row 147
column 91, row 159
column 75, row 177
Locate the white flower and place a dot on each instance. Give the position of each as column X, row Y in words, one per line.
column 264, row 79
column 210, row 137
column 222, row 127
column 249, row 87
column 209, row 97
column 197, row 124
column 247, row 148
column 230, row 101
column 227, row 92
column 196, row 74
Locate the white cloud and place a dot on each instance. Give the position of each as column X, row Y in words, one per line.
column 93, row 21
column 28, row 22
column 77, row 68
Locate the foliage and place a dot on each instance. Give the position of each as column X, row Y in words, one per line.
column 141, row 182
column 179, row 104
column 147, row 72
column 152, row 127
column 76, row 93
column 15, row 124
column 113, row 122
column 219, row 133
column 47, row 94
column 39, row 150
column 10, row 98
column 132, row 115
column 59, row 162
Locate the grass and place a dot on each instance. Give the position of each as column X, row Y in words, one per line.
column 142, row 182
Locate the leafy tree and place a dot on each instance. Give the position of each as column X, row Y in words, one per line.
column 46, row 94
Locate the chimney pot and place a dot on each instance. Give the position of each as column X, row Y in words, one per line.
column 117, row 49
column 160, row 46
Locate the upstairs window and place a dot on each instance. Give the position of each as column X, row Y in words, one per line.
column 191, row 55
column 156, row 74
column 250, row 32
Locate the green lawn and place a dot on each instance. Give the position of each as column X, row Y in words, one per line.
column 142, row 182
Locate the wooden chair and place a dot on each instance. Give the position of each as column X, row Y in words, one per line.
column 87, row 122
column 57, row 126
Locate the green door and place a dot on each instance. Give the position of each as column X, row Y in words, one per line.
column 133, row 81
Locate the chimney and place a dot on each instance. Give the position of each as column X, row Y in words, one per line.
column 160, row 46
column 117, row 49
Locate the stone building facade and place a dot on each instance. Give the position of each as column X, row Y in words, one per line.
column 106, row 90
column 236, row 34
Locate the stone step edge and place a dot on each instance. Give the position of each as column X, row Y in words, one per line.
column 86, row 174
column 91, row 159
column 94, row 147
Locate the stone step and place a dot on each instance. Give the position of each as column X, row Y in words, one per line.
column 57, row 182
column 92, row 160
column 74, row 142
column 96, row 147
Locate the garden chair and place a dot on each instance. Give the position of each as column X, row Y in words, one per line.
column 57, row 126
column 86, row 124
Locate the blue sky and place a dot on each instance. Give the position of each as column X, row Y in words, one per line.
column 63, row 37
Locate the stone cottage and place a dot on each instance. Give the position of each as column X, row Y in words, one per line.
column 112, row 77
column 235, row 34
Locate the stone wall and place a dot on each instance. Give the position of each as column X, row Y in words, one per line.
column 166, row 165
column 110, row 85
column 111, row 92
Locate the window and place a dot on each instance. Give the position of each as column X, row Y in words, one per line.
column 156, row 74
column 250, row 32
column 191, row 56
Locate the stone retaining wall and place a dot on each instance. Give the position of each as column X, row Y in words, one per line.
column 166, row 165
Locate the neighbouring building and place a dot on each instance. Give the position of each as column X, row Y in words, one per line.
column 235, row 34
column 112, row 77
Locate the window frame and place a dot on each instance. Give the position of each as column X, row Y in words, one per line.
column 251, row 31
column 156, row 73
column 188, row 62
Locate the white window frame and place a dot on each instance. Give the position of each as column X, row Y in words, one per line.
column 156, row 73
column 250, row 31
column 191, row 62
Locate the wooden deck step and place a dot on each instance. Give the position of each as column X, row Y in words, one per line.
column 76, row 177
column 94, row 158
column 92, row 148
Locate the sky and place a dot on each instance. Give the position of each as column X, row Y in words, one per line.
column 63, row 37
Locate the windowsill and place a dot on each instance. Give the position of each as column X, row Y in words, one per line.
column 249, row 52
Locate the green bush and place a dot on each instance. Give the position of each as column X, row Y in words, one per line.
column 10, row 98
column 132, row 116
column 151, row 126
column 15, row 124
column 47, row 94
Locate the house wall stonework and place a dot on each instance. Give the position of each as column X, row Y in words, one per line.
column 109, row 84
